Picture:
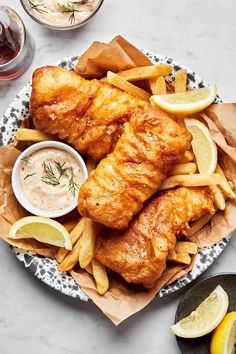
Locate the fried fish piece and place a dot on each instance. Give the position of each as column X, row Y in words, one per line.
column 89, row 115
column 116, row 190
column 139, row 253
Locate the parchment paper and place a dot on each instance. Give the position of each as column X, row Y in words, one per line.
column 117, row 55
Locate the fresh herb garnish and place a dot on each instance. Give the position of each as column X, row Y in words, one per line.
column 26, row 160
column 61, row 169
column 80, row 2
column 29, row 175
column 70, row 9
column 37, row 7
column 49, row 175
column 73, row 187
column 51, row 178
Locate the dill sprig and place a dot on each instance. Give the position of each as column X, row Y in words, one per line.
column 26, row 160
column 49, row 175
column 73, row 187
column 61, row 169
column 80, row 2
column 37, row 7
column 51, row 178
column 29, row 175
column 70, row 9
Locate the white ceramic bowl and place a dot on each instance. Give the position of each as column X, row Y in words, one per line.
column 16, row 185
column 51, row 26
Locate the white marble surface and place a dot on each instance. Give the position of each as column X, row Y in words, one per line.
column 36, row 319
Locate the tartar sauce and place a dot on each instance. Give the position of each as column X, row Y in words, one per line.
column 50, row 179
column 62, row 12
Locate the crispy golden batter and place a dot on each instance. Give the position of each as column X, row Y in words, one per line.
column 151, row 143
column 139, row 253
column 87, row 114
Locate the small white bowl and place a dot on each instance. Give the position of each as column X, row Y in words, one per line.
column 16, row 185
column 53, row 26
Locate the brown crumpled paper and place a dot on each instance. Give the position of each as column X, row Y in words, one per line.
column 122, row 300
column 117, row 55
column 220, row 119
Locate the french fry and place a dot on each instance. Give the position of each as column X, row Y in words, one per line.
column 69, row 225
column 183, row 168
column 87, row 242
column 224, row 184
column 104, row 79
column 188, row 157
column 89, row 269
column 219, row 199
column 75, row 234
column 181, row 252
column 71, row 259
column 146, row 72
column 172, row 255
column 24, row 134
column 185, row 247
column 100, row 277
column 91, row 165
column 231, row 184
column 180, row 81
column 169, row 86
column 159, row 245
column 194, row 180
column 198, row 225
column 183, row 258
column 124, row 85
column 158, row 86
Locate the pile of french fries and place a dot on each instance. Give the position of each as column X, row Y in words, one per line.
column 84, row 232
column 83, row 236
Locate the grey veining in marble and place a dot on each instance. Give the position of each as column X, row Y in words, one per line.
column 36, row 319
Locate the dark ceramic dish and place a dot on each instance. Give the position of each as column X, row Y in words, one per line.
column 193, row 298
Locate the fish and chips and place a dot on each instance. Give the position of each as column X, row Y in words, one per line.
column 145, row 195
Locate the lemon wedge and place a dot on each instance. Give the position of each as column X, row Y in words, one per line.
column 42, row 229
column 224, row 336
column 186, row 102
column 204, row 148
column 205, row 318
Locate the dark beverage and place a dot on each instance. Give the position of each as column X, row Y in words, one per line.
column 16, row 45
column 9, row 44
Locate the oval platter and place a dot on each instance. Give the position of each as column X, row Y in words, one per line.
column 45, row 269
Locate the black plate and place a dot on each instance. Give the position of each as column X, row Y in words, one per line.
column 193, row 298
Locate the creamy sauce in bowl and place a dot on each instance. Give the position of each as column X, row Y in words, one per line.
column 61, row 13
column 50, row 179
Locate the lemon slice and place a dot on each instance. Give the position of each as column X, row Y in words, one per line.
column 205, row 318
column 186, row 102
column 42, row 229
column 224, row 336
column 204, row 148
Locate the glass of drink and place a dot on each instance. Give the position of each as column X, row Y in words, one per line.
column 16, row 45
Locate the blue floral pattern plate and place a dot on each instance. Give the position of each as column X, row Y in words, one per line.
column 44, row 268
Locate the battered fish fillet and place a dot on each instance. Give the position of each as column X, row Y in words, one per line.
column 139, row 253
column 116, row 190
column 89, row 115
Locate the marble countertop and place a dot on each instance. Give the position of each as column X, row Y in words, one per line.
column 37, row 319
